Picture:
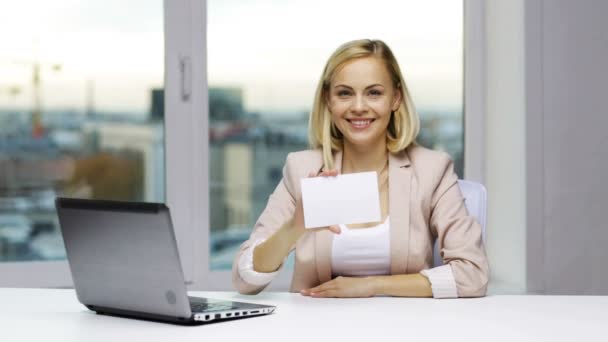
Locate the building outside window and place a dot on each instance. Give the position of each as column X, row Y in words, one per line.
column 81, row 114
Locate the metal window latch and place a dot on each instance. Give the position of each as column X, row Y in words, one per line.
column 185, row 69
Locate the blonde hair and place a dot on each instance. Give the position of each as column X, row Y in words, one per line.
column 404, row 123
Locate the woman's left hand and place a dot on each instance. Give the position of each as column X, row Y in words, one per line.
column 342, row 287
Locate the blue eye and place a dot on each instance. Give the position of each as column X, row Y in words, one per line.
column 343, row 93
column 375, row 92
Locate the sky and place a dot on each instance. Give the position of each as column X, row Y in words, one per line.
column 274, row 49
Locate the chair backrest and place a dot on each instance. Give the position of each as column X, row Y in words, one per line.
column 475, row 199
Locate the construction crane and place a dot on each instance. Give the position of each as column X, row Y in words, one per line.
column 36, row 67
column 12, row 91
column 37, row 128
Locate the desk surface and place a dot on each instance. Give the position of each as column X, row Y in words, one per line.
column 56, row 315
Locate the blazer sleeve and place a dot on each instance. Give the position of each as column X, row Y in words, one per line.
column 279, row 210
column 458, row 235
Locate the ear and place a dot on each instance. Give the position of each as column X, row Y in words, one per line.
column 327, row 102
column 397, row 98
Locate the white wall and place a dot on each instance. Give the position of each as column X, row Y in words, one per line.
column 567, row 124
column 505, row 145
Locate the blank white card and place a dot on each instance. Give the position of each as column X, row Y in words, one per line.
column 345, row 199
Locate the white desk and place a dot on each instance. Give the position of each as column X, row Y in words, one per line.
column 56, row 315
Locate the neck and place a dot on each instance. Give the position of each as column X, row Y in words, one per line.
column 364, row 158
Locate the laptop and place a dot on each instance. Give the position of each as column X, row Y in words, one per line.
column 124, row 261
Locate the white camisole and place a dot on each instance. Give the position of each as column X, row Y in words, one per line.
column 362, row 252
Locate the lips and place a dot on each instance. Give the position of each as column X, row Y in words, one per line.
column 360, row 123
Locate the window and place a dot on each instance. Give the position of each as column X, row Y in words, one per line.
column 81, row 114
column 262, row 78
column 82, row 86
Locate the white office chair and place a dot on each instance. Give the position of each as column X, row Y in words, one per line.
column 475, row 199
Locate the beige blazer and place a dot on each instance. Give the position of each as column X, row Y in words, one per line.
column 425, row 203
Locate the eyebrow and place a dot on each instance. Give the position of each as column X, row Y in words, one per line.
column 370, row 86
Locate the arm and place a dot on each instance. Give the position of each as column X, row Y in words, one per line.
column 402, row 285
column 269, row 255
column 399, row 285
column 272, row 223
column 437, row 282
column 259, row 264
column 458, row 235
column 273, row 238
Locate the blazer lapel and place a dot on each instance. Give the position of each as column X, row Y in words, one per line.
column 399, row 183
column 324, row 240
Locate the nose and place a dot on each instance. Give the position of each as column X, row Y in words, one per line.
column 359, row 106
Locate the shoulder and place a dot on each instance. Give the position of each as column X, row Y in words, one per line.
column 299, row 164
column 424, row 158
column 304, row 159
column 430, row 166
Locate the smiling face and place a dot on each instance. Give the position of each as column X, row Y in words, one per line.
column 361, row 97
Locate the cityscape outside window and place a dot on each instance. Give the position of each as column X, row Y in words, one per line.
column 81, row 113
column 81, row 102
column 264, row 60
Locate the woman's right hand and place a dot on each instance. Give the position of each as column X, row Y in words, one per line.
column 298, row 217
column 268, row 256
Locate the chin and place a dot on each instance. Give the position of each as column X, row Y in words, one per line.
column 362, row 141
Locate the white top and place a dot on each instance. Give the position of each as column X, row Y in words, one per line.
column 48, row 315
column 362, row 252
column 359, row 252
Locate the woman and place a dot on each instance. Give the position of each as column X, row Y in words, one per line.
column 364, row 120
